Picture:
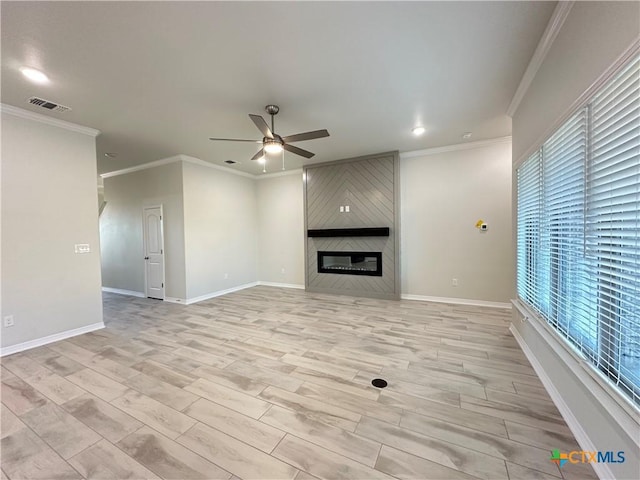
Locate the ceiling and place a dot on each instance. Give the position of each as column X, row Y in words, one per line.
column 160, row 78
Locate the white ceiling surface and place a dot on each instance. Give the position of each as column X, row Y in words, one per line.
column 158, row 79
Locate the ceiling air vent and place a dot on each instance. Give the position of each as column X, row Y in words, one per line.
column 230, row 162
column 49, row 105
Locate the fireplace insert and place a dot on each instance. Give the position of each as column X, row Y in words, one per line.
column 350, row 263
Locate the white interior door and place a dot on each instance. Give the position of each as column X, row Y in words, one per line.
column 154, row 252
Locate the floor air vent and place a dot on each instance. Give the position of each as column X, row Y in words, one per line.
column 379, row 383
column 49, row 105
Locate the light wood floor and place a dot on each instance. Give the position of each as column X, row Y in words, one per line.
column 272, row 383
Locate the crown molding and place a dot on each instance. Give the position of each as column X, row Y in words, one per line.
column 583, row 99
column 556, row 21
column 196, row 161
column 37, row 117
column 267, row 176
column 202, row 163
column 456, row 147
column 174, row 159
column 144, row 166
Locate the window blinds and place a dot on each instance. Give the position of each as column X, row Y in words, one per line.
column 613, row 219
column 578, row 230
column 562, row 230
column 528, row 228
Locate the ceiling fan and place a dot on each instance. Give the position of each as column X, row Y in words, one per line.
column 274, row 143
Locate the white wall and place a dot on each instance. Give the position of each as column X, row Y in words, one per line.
column 281, row 229
column 49, row 204
column 593, row 36
column 443, row 195
column 121, row 228
column 221, row 230
column 250, row 229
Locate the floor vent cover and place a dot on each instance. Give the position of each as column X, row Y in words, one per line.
column 48, row 104
column 379, row 383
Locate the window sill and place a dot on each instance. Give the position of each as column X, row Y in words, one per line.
column 623, row 411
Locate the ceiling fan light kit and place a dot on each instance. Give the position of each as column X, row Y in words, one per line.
column 272, row 146
column 272, row 143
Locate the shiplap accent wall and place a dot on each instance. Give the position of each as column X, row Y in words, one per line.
column 369, row 186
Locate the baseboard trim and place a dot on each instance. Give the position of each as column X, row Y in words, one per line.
column 602, row 469
column 219, row 293
column 120, row 291
column 281, row 285
column 20, row 347
column 456, row 301
column 180, row 301
column 404, row 296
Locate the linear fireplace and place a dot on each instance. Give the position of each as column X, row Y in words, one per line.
column 350, row 263
column 351, row 221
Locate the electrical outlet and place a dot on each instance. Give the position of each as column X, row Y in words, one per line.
column 82, row 248
column 346, row 209
column 341, row 209
column 226, row 275
column 9, row 321
column 282, row 271
column 454, row 282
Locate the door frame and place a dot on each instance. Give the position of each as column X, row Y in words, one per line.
column 144, row 247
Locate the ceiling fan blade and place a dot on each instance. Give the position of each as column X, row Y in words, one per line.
column 298, row 151
column 262, row 125
column 234, row 140
column 298, row 137
column 258, row 155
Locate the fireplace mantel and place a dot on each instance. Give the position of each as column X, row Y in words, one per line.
column 349, row 232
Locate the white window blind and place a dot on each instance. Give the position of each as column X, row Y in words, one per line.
column 613, row 236
column 529, row 189
column 562, row 229
column 579, row 230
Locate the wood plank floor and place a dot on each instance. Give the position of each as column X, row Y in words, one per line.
column 271, row 383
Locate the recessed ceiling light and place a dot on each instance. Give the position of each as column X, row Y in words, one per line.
column 111, row 155
column 418, row 130
column 466, row 135
column 34, row 75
